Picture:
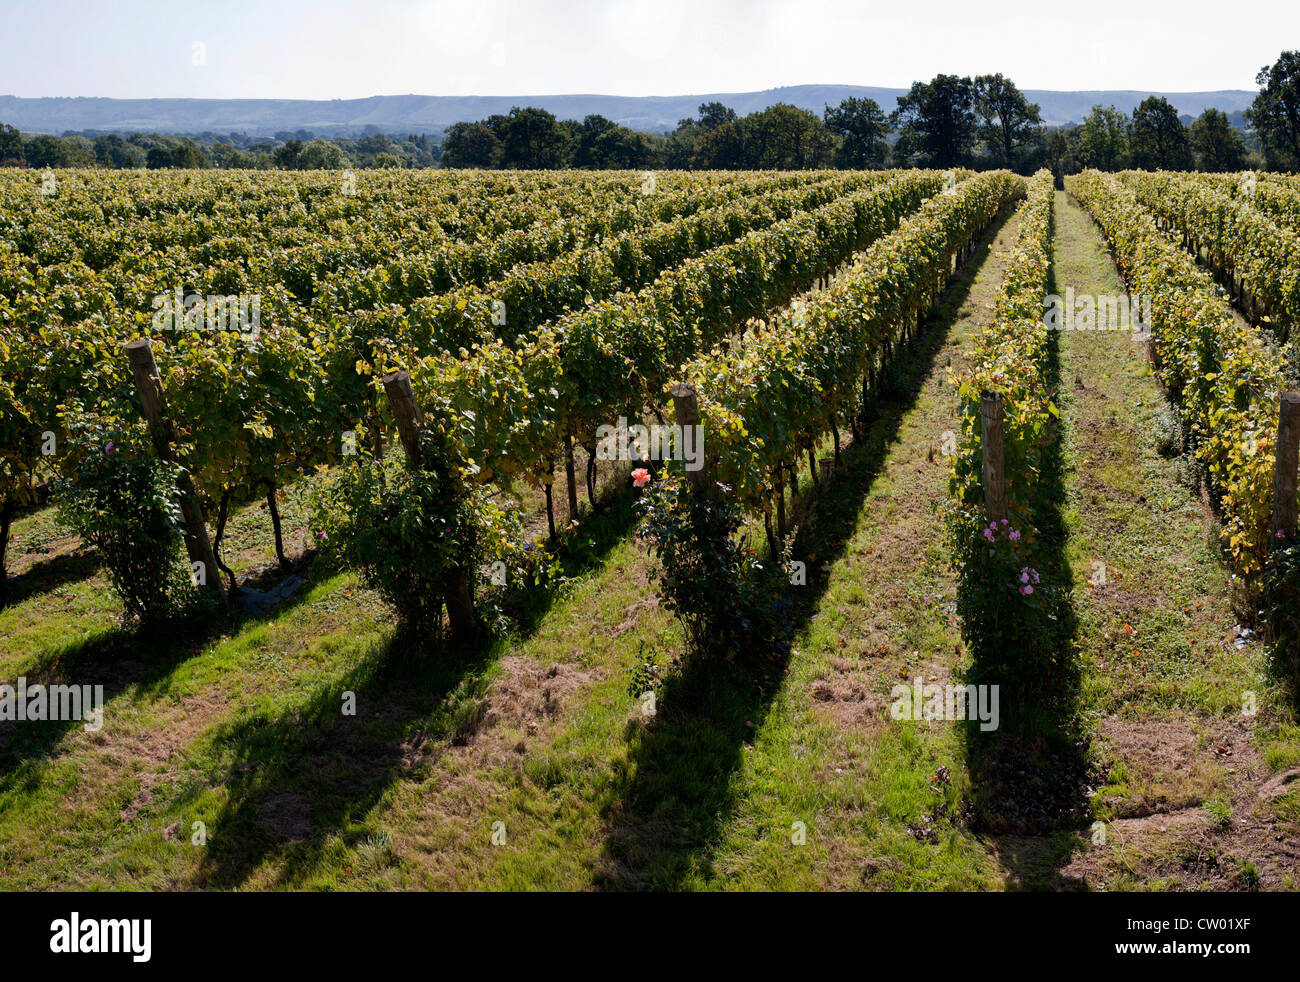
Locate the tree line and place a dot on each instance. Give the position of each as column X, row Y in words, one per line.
column 297, row 150
column 950, row 121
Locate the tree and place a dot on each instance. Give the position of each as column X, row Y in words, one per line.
column 938, row 117
column 721, row 148
column 46, row 151
column 1103, row 139
column 78, row 151
column 182, row 155
column 679, row 147
column 1275, row 113
column 322, row 155
column 682, row 149
column 532, row 140
column 470, row 145
column 11, row 147
column 285, row 157
column 781, row 137
column 861, row 126
column 1062, row 152
column 1009, row 121
column 187, row 156
column 715, row 114
column 226, row 156
column 112, row 151
column 1158, row 138
column 785, row 137
column 1218, row 146
column 600, row 143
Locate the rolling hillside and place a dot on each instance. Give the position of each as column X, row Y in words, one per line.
column 425, row 114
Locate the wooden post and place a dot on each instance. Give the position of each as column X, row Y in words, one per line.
column 550, row 497
column 407, row 413
column 7, row 510
column 571, row 473
column 148, row 383
column 686, row 407
column 994, row 469
column 780, row 503
column 828, row 468
column 1288, row 458
column 459, row 594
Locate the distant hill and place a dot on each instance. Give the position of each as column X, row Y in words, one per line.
column 431, row 114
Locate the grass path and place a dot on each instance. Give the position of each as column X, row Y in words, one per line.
column 1164, row 677
column 874, row 802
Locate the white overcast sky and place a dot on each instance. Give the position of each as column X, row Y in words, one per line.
column 355, row 48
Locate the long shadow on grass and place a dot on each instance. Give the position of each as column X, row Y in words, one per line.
column 118, row 660
column 312, row 754
column 675, row 793
column 1030, row 777
column 316, row 770
column 48, row 575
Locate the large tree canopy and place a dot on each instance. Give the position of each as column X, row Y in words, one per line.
column 11, row 146
column 1009, row 122
column 530, row 139
column 1159, row 140
column 1275, row 113
column 938, row 120
column 862, row 127
column 600, row 143
column 1218, row 146
column 1103, row 139
column 781, row 137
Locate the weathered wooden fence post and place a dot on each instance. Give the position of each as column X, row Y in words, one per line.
column 994, row 467
column 686, row 406
column 407, row 413
column 570, row 472
column 459, row 595
column 148, row 383
column 1288, row 458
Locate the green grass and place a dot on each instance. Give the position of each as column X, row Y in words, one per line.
column 1163, row 681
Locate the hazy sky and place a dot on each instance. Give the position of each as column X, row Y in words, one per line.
column 354, row 48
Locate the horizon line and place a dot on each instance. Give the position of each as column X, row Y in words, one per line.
column 602, row 95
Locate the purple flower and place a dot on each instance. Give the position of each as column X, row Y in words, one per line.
column 988, row 534
column 320, row 536
column 1024, row 575
column 1026, row 590
column 1015, row 535
column 1005, row 522
column 111, row 446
